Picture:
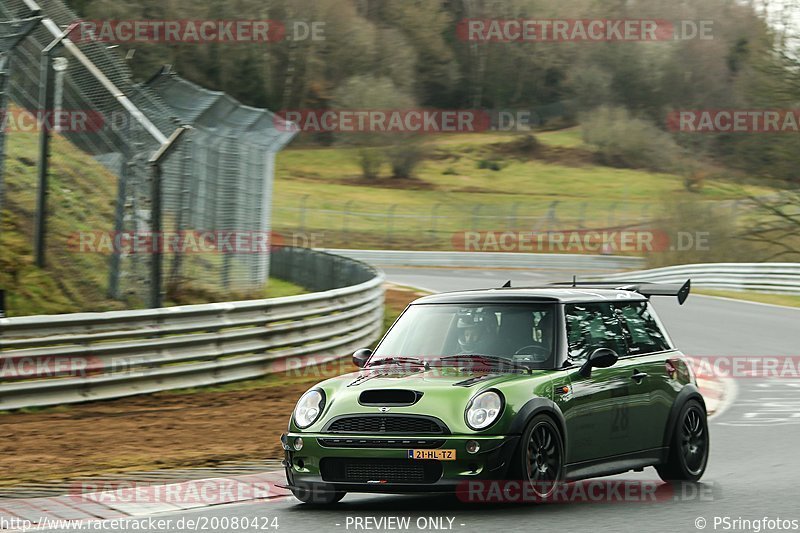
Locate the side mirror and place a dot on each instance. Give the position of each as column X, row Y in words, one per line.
column 361, row 356
column 600, row 358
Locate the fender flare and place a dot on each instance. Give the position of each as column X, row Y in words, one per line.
column 538, row 406
column 688, row 392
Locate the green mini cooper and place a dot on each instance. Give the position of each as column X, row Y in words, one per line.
column 539, row 385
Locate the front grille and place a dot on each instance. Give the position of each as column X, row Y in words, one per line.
column 349, row 470
column 387, row 424
column 381, row 443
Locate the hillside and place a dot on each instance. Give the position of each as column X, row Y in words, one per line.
column 477, row 181
column 82, row 194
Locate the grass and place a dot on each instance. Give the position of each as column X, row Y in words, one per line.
column 82, row 196
column 452, row 193
column 566, row 138
column 278, row 288
column 788, row 300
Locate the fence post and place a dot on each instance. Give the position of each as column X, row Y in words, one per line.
column 552, row 219
column 511, row 222
column 389, row 224
column 582, row 216
column 45, row 97
column 303, row 201
column 475, row 212
column 434, row 221
column 45, row 101
column 156, row 263
column 612, row 215
column 5, row 77
column 116, row 259
column 345, row 213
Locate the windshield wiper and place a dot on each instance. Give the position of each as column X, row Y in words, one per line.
column 491, row 359
column 399, row 361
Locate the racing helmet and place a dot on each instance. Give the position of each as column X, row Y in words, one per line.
column 474, row 328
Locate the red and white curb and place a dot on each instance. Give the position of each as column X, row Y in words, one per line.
column 717, row 393
column 145, row 500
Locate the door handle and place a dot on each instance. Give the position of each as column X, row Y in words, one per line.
column 638, row 376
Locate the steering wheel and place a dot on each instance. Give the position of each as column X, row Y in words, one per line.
column 539, row 352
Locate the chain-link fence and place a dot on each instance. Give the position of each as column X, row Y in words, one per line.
column 439, row 226
column 12, row 31
column 219, row 178
column 226, row 177
column 549, row 226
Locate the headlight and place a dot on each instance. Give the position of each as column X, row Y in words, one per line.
column 308, row 408
column 484, row 409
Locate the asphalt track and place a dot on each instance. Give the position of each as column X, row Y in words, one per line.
column 752, row 473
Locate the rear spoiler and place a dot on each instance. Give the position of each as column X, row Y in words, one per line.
column 642, row 287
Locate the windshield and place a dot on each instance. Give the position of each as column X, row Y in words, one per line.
column 517, row 333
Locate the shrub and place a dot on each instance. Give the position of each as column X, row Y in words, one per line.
column 699, row 232
column 404, row 158
column 370, row 160
column 525, row 145
column 489, row 164
column 621, row 140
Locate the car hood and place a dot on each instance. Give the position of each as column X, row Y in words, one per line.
column 445, row 392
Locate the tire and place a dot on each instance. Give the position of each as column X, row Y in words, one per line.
column 318, row 495
column 688, row 452
column 539, row 458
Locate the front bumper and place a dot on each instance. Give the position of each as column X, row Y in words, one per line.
column 306, row 468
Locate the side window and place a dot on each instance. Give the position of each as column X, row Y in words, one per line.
column 592, row 326
column 642, row 333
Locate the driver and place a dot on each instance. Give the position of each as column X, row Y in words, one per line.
column 475, row 333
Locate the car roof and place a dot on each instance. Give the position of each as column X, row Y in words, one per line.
column 532, row 295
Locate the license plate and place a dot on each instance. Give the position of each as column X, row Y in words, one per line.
column 440, row 455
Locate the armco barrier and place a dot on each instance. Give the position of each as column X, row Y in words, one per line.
column 781, row 278
column 122, row 353
column 529, row 261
